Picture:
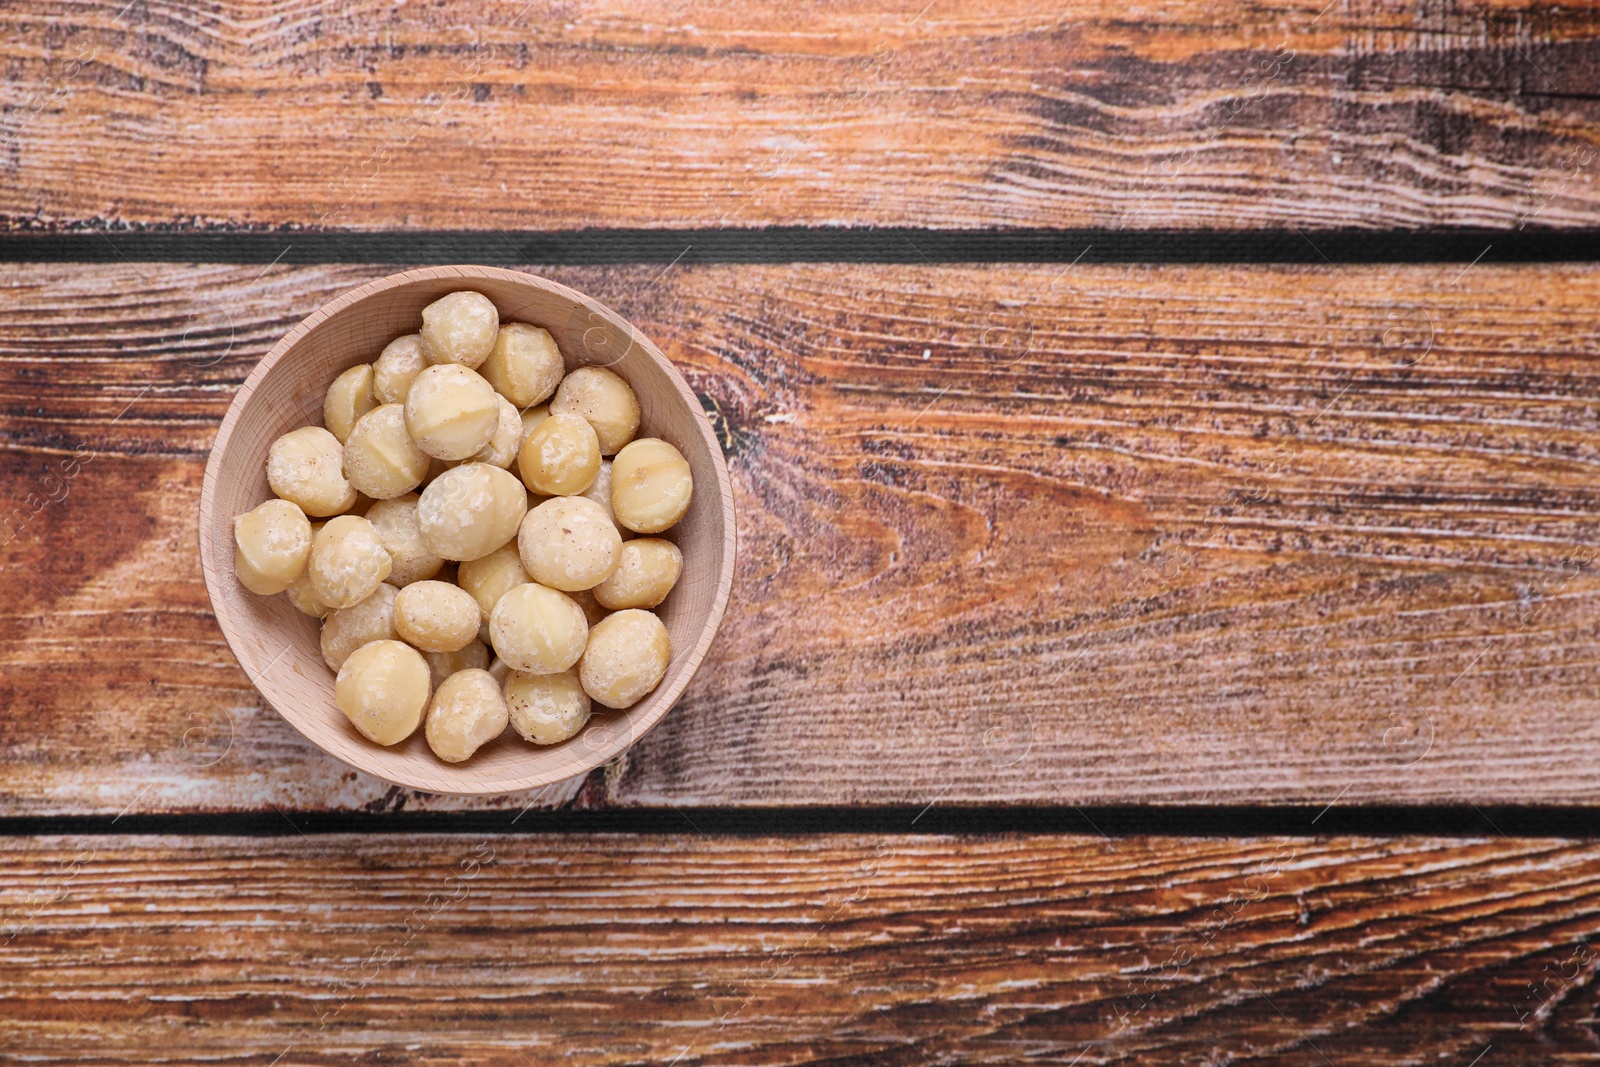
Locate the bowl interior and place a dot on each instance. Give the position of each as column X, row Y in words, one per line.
column 279, row 647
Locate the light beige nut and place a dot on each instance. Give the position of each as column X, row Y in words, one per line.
column 546, row 708
column 348, row 561
column 532, row 418
column 560, row 457
column 396, row 368
column 602, row 398
column 538, row 629
column 600, row 492
column 569, row 543
column 380, row 458
column 451, row 411
column 347, row 399
column 347, row 629
column 592, row 610
column 488, row 578
column 272, row 544
column 382, row 689
column 411, row 559
column 525, row 365
column 499, row 670
column 436, row 616
column 441, row 665
column 459, row 328
column 471, row 510
column 647, row 569
column 466, row 713
column 651, row 486
column 626, row 657
column 305, row 466
column 304, row 599
column 502, row 449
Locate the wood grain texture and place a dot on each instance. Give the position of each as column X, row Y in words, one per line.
column 808, row 950
column 959, row 113
column 1114, row 535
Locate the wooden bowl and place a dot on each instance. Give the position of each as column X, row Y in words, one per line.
column 279, row 647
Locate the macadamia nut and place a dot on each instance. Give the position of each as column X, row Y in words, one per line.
column 348, row 629
column 396, row 368
column 651, row 485
column 600, row 492
column 271, row 546
column 451, row 411
column 382, row 689
column 488, row 578
column 304, row 599
column 436, row 616
column 569, row 543
column 524, row 366
column 532, row 418
column 546, row 708
column 441, row 665
column 347, row 399
column 647, row 569
column 626, row 657
column 348, row 561
column 538, row 630
column 471, row 510
column 304, row 467
column 604, row 400
column 560, row 457
column 459, row 328
column 380, row 458
column 467, row 712
column 503, row 447
column 410, row 557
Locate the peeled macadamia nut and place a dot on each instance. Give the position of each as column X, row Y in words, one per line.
column 441, row 665
column 499, row 670
column 647, row 569
column 503, row 447
column 546, row 708
column 488, row 578
column 471, row 510
column 347, row 399
column 380, row 459
column 459, row 328
column 466, row 712
column 532, row 418
column 604, row 400
column 304, row 466
column 538, row 630
column 569, row 543
column 348, row 629
column 382, row 689
column 436, row 616
column 348, row 561
column 592, row 610
column 394, row 371
column 304, row 599
column 524, row 366
column 411, row 559
column 560, row 457
column 626, row 657
column 651, row 486
column 451, row 411
column 271, row 546
column 600, row 492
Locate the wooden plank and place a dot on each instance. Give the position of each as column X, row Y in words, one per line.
column 893, row 949
column 1007, row 534
column 959, row 113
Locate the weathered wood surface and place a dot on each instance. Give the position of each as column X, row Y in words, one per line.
column 809, row 950
column 1108, row 535
column 659, row 113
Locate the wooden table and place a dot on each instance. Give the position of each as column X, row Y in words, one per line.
column 1165, row 441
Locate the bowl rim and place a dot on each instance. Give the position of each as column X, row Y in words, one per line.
column 663, row 699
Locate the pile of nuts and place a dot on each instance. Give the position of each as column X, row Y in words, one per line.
column 433, row 552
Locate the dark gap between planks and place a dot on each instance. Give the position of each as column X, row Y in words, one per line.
column 1112, row 822
column 799, row 245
